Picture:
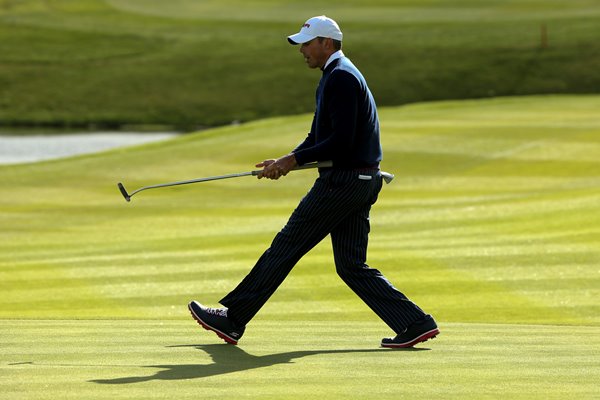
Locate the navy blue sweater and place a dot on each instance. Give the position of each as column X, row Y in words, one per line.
column 345, row 128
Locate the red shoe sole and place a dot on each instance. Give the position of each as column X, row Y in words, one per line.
column 419, row 339
column 220, row 334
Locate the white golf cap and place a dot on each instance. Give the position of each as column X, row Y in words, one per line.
column 320, row 26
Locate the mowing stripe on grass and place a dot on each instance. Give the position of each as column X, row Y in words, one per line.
column 483, row 223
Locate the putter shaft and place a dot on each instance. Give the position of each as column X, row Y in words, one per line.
column 127, row 196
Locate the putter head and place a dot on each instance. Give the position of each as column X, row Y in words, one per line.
column 123, row 191
column 387, row 177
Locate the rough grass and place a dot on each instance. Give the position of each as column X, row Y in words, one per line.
column 188, row 63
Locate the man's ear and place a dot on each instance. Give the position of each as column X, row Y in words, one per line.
column 329, row 43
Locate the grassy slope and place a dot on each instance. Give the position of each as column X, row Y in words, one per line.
column 185, row 62
column 492, row 225
column 497, row 197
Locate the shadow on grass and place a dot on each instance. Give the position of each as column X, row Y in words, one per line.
column 227, row 359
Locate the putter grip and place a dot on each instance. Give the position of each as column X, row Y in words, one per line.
column 320, row 164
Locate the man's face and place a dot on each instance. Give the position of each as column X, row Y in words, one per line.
column 316, row 52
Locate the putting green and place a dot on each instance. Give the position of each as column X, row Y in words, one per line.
column 492, row 225
column 151, row 359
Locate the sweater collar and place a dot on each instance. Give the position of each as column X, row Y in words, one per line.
column 335, row 56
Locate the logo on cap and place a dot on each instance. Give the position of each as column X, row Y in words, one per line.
column 306, row 26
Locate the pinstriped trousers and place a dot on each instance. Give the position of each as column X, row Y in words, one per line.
column 338, row 205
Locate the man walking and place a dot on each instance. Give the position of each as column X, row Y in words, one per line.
column 345, row 129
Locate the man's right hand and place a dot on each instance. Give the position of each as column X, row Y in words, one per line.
column 275, row 169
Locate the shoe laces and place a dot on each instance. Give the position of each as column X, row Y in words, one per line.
column 219, row 312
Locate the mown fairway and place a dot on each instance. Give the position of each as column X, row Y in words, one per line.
column 492, row 225
column 186, row 62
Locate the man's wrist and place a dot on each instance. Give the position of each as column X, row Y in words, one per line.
column 288, row 162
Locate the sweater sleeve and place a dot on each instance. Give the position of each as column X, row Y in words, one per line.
column 308, row 142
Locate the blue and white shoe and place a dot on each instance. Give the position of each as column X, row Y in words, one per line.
column 418, row 332
column 215, row 319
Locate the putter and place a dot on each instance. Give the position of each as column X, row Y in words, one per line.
column 387, row 177
column 127, row 196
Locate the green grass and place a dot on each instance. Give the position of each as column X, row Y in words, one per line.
column 492, row 225
column 192, row 63
column 154, row 359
